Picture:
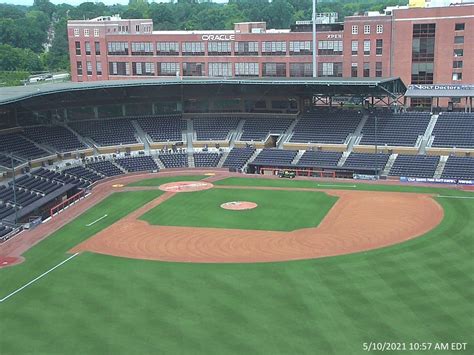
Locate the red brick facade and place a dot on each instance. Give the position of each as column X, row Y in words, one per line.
column 384, row 48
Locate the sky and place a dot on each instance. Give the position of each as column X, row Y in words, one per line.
column 77, row 2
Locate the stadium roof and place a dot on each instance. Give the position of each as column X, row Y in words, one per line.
column 320, row 86
column 440, row 90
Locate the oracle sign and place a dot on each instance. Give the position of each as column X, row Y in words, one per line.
column 218, row 37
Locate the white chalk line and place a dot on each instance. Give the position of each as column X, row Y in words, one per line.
column 97, row 220
column 336, row 185
column 39, row 277
column 447, row 196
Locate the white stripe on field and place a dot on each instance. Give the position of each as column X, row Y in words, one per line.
column 447, row 196
column 97, row 220
column 39, row 277
column 336, row 185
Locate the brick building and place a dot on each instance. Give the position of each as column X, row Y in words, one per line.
column 421, row 45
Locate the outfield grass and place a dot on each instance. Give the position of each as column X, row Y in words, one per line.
column 166, row 179
column 277, row 210
column 421, row 290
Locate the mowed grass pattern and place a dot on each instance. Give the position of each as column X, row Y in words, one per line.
column 277, row 210
column 157, row 181
column 420, row 290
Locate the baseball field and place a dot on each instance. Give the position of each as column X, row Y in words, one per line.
column 308, row 268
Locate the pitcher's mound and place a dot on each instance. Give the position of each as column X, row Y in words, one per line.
column 186, row 186
column 238, row 205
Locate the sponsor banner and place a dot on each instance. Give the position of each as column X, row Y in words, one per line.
column 441, row 87
column 436, row 181
column 218, row 37
column 364, row 177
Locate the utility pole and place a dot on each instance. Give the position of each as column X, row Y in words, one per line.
column 315, row 68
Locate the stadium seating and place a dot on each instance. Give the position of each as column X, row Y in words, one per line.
column 105, row 168
column 206, row 159
column 454, row 129
column 319, row 159
column 214, row 128
column 36, row 184
column 6, row 161
column 56, row 176
column 163, row 129
column 326, row 126
column 23, row 197
column 139, row 163
column 174, row 160
column 83, row 173
column 401, row 129
column 367, row 161
column 414, row 166
column 257, row 129
column 459, row 168
column 20, row 146
column 107, row 132
column 238, row 157
column 275, row 157
column 4, row 230
column 56, row 138
column 6, row 211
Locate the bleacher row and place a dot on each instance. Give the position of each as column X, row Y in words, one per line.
column 324, row 126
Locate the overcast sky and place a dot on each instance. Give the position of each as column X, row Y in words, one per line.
column 77, row 2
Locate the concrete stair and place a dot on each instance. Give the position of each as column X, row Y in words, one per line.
column 237, row 135
column 298, row 157
column 427, row 138
column 388, row 166
column 440, row 168
column 343, row 158
column 222, row 159
column 189, row 135
column 191, row 160
column 159, row 162
column 142, row 135
column 287, row 135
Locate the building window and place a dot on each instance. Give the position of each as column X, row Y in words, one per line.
column 367, row 47
column 219, row 48
column 355, row 47
column 117, row 48
column 330, row 69
column 422, row 73
column 167, row 48
column 76, row 32
column 220, row 69
column 458, row 39
column 366, row 72
column 193, row 69
column 98, row 68
column 423, row 53
column 79, row 68
column 96, row 32
column 89, row 68
column 378, row 69
column 378, row 46
column 354, row 70
column 367, row 29
column 459, row 27
column 457, row 76
column 246, row 48
column 459, row 52
column 274, row 69
column 119, row 68
column 273, row 48
column 246, row 69
column 137, row 28
column 457, row 64
column 87, row 47
column 97, row 48
column 168, row 69
column 355, row 29
column 78, row 48
column 142, row 48
column 139, row 68
column 330, row 47
column 379, row 29
column 300, row 48
column 193, row 48
column 86, row 32
column 301, row 69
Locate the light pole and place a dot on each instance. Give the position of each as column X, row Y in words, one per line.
column 14, row 188
column 315, row 68
column 376, row 148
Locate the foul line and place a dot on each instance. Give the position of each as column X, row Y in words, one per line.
column 39, row 277
column 335, row 185
column 97, row 220
column 447, row 196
